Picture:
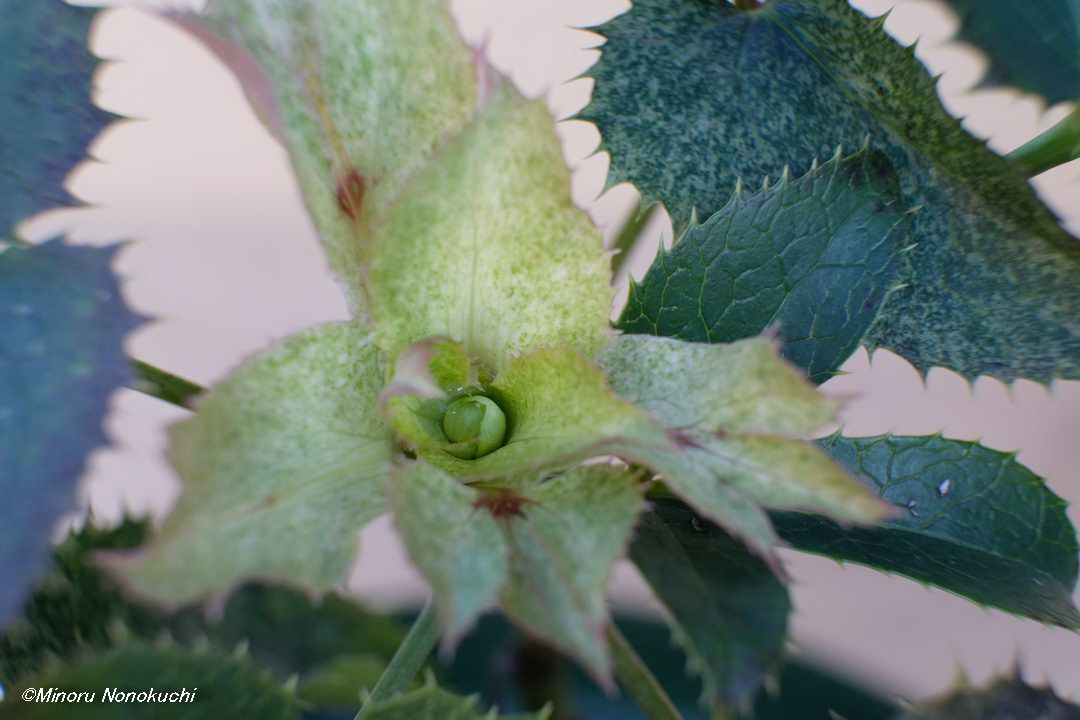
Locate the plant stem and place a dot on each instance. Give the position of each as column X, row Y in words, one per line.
column 408, row 660
column 747, row 4
column 1056, row 146
column 163, row 385
column 628, row 236
column 638, row 680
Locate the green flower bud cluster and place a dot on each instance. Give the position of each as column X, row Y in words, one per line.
column 476, row 421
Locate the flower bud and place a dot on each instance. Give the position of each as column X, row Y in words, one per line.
column 477, row 421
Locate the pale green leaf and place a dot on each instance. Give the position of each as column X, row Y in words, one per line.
column 692, row 95
column 564, row 539
column 486, row 246
column 362, row 93
column 282, row 465
column 457, row 544
column 732, row 410
column 739, row 387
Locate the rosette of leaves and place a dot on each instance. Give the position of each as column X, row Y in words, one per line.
column 480, row 376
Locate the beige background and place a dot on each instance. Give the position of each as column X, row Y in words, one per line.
column 226, row 261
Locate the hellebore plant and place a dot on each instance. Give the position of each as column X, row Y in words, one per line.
column 522, row 442
column 480, row 376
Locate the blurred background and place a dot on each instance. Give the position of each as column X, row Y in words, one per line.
column 225, row 261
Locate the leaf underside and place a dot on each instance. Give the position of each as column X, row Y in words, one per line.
column 727, row 608
column 988, row 287
column 971, row 520
column 46, row 116
column 62, row 325
column 1034, row 46
column 814, row 258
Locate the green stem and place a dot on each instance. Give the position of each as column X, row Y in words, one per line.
column 628, row 236
column 638, row 680
column 1056, row 146
column 408, row 660
column 163, row 385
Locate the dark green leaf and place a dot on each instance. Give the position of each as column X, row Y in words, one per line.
column 1034, row 46
column 46, row 117
column 223, row 687
column 288, row 633
column 74, row 606
column 728, row 610
column 692, row 95
column 971, row 520
column 62, row 324
column 433, row 703
column 816, row 256
column 1005, row 699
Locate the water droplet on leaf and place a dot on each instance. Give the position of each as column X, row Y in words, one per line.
column 912, row 507
column 944, row 487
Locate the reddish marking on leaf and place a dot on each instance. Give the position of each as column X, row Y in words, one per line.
column 350, row 193
column 502, row 503
column 682, row 439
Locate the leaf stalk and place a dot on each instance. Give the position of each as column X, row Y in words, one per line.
column 1056, row 146
column 638, row 681
column 408, row 660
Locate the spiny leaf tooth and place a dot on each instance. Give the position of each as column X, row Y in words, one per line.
column 765, row 183
column 291, row 683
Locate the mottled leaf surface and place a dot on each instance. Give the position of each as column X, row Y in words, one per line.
column 1004, row 699
column 225, row 687
column 1034, row 46
column 563, row 545
column 62, row 325
column 457, row 544
column 971, row 520
column 362, row 94
column 46, row 116
column 727, row 608
column 282, row 465
column 736, row 412
column 693, row 95
column 814, row 258
column 544, row 548
column 434, row 703
column 487, row 247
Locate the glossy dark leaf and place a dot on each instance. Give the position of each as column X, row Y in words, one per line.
column 971, row 520
column 1034, row 46
column 693, row 95
column 814, row 257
